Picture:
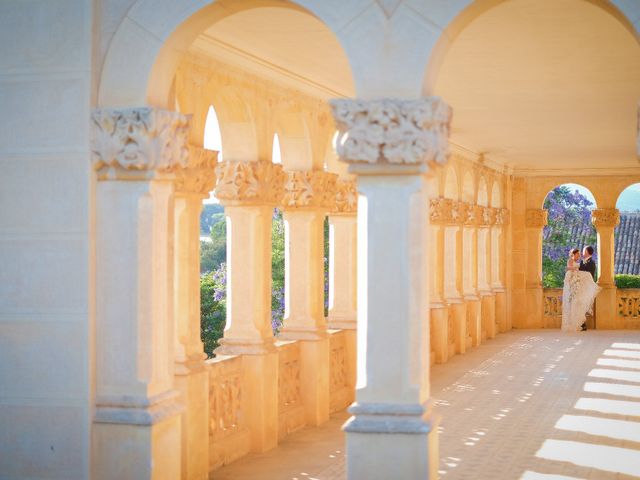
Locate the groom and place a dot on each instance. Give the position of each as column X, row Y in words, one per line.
column 588, row 265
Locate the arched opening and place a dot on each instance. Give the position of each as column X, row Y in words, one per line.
column 569, row 226
column 627, row 238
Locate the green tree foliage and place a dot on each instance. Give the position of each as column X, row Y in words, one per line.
column 214, row 252
column 213, row 307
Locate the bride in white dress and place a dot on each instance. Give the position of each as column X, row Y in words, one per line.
column 578, row 294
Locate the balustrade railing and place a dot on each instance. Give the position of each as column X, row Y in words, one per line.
column 229, row 437
column 552, row 307
column 629, row 306
column 339, row 390
column 291, row 416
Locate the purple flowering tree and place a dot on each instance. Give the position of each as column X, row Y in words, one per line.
column 569, row 226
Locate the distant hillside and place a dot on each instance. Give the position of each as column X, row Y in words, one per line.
column 212, row 214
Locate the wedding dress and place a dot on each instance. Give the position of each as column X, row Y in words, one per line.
column 578, row 295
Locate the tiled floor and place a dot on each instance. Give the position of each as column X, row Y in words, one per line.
column 528, row 404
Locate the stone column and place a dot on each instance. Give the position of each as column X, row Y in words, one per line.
column 470, row 274
column 192, row 186
column 453, row 277
column 499, row 217
column 535, row 221
column 439, row 322
column 249, row 192
column 137, row 414
column 389, row 144
column 487, row 296
column 306, row 200
column 343, row 227
column 605, row 221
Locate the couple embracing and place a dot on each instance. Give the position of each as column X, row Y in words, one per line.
column 580, row 290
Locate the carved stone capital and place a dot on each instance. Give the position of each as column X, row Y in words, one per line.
column 501, row 216
column 309, row 189
column 138, row 141
column 346, row 198
column 536, row 218
column 605, row 217
column 391, row 131
column 470, row 215
column 444, row 211
column 199, row 177
column 249, row 183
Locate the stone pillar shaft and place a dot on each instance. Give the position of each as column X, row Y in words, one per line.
column 392, row 432
column 605, row 221
column 136, row 153
column 535, row 221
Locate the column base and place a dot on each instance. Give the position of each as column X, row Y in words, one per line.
column 192, row 382
column 391, row 441
column 501, row 310
column 457, row 326
column 606, row 309
column 440, row 332
column 488, row 306
column 342, row 323
column 138, row 442
column 534, row 312
column 474, row 324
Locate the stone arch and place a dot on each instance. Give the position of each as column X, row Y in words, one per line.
column 162, row 30
column 483, row 194
column 496, row 194
column 295, row 141
column 451, row 189
column 460, row 15
column 468, row 188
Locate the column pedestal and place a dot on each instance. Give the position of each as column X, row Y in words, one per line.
column 501, row 310
column 605, row 221
column 440, row 332
column 488, row 305
column 474, row 323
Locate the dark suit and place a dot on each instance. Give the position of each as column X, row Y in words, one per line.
column 588, row 266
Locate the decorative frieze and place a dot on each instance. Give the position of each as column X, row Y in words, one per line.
column 346, row 198
column 501, row 216
column 199, row 177
column 605, row 217
column 536, row 218
column 392, row 131
column 443, row 211
column 249, row 183
column 309, row 189
column 470, row 215
column 448, row 212
column 138, row 140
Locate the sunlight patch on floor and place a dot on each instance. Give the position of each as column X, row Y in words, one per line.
column 601, row 457
column 622, row 353
column 631, row 346
column 603, row 405
column 623, row 375
column 614, row 362
column 529, row 475
column 613, row 389
column 602, row 427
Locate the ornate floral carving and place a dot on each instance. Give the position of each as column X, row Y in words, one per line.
column 311, row 188
column 139, row 139
column 249, row 183
column 470, row 217
column 629, row 304
column 444, row 211
column 536, row 218
column 392, row 131
column 338, row 369
column 225, row 401
column 346, row 198
column 605, row 217
column 289, row 383
column 501, row 216
column 199, row 177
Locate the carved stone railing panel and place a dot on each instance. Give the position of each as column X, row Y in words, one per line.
column 339, row 393
column 291, row 415
column 552, row 307
column 629, row 304
column 228, row 435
